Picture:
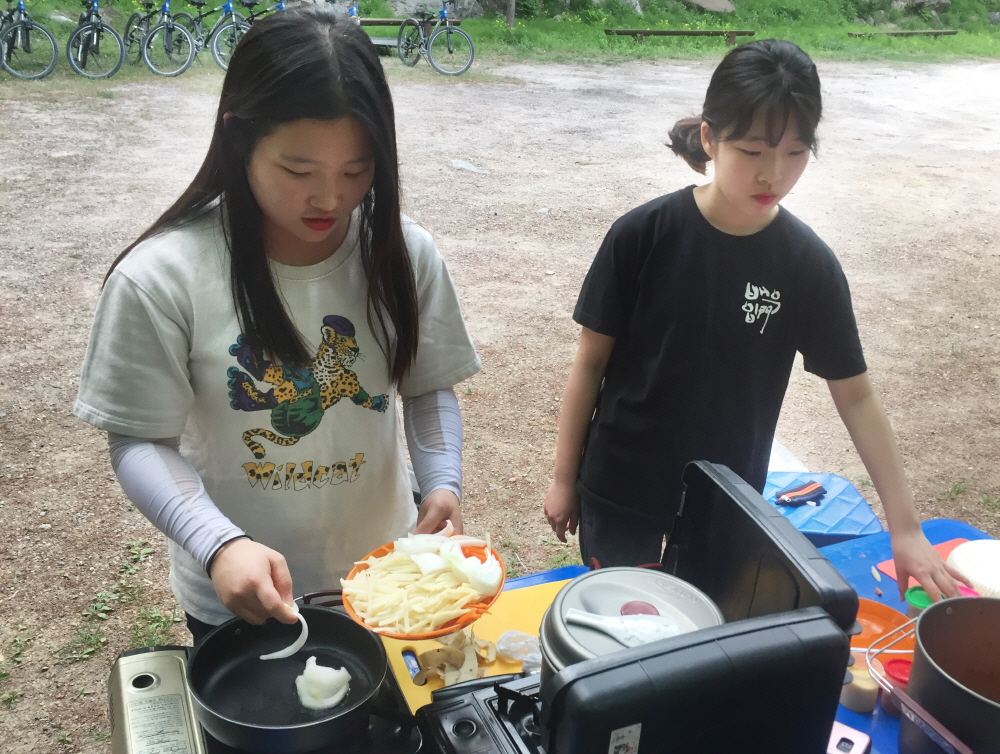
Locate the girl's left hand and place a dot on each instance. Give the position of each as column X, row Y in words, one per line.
column 914, row 556
column 438, row 507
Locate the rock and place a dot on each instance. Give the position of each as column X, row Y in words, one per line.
column 718, row 6
column 935, row 17
column 994, row 18
column 463, row 165
column 916, row 5
column 461, row 8
column 869, row 20
column 45, row 527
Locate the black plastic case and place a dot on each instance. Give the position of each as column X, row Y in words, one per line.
column 768, row 680
column 768, row 684
column 730, row 543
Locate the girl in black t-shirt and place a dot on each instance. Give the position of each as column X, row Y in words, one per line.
column 692, row 314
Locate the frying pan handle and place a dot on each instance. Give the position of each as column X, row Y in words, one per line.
column 928, row 724
column 337, row 596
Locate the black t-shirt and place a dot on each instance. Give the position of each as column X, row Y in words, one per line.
column 706, row 326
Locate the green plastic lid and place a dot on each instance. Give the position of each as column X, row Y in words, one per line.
column 919, row 598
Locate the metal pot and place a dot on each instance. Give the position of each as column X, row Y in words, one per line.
column 251, row 704
column 605, row 592
column 956, row 675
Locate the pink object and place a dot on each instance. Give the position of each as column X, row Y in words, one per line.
column 967, row 592
column 637, row 607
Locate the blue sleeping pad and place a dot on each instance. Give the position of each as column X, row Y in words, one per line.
column 842, row 514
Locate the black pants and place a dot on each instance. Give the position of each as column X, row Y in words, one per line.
column 616, row 536
column 197, row 628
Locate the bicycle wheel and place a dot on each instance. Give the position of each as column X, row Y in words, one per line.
column 224, row 41
column 95, row 50
column 408, row 42
column 28, row 50
column 450, row 51
column 168, row 49
column 135, row 31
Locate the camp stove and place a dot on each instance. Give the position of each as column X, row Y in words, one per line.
column 152, row 711
column 501, row 719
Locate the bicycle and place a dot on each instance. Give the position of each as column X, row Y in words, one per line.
column 449, row 50
column 228, row 36
column 27, row 49
column 138, row 26
column 94, row 50
column 195, row 26
column 168, row 49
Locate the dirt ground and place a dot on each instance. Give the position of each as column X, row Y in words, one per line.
column 905, row 190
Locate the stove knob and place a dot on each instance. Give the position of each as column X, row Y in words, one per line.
column 465, row 729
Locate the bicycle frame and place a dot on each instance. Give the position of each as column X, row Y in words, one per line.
column 14, row 10
column 280, row 5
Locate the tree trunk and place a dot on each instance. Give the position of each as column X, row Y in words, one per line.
column 511, row 7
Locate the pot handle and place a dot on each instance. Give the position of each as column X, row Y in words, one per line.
column 929, row 724
column 336, row 598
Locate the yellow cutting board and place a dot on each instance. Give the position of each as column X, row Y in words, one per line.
column 516, row 610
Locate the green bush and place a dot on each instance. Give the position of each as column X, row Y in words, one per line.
column 528, row 8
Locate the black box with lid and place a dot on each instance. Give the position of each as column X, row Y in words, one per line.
column 768, row 680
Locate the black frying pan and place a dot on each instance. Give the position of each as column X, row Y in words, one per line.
column 251, row 704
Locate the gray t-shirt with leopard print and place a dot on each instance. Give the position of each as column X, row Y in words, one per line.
column 309, row 461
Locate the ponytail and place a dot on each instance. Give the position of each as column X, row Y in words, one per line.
column 685, row 141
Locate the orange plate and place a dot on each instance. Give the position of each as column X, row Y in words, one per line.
column 477, row 609
column 877, row 620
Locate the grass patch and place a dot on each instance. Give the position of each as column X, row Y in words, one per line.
column 86, row 642
column 548, row 30
column 19, row 644
column 137, row 552
column 956, row 490
column 991, row 502
column 105, row 602
column 152, row 628
column 566, row 555
column 99, row 735
column 11, row 699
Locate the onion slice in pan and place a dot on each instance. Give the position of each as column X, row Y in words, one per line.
column 296, row 645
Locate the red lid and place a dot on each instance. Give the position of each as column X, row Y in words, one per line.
column 898, row 671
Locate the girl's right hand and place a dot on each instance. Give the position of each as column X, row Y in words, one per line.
column 253, row 582
column 562, row 509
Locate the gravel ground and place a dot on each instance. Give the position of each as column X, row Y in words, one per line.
column 904, row 190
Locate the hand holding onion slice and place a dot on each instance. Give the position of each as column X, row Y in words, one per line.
column 296, row 645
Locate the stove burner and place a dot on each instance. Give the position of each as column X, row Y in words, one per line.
column 502, row 719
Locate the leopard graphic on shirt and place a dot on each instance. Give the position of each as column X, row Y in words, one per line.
column 300, row 396
column 760, row 304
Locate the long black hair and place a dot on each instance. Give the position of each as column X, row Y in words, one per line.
column 303, row 63
column 770, row 76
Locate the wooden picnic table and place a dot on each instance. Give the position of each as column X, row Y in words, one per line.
column 640, row 34
column 916, row 33
column 396, row 21
column 391, row 41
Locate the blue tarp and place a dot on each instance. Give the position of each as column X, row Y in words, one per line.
column 842, row 514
